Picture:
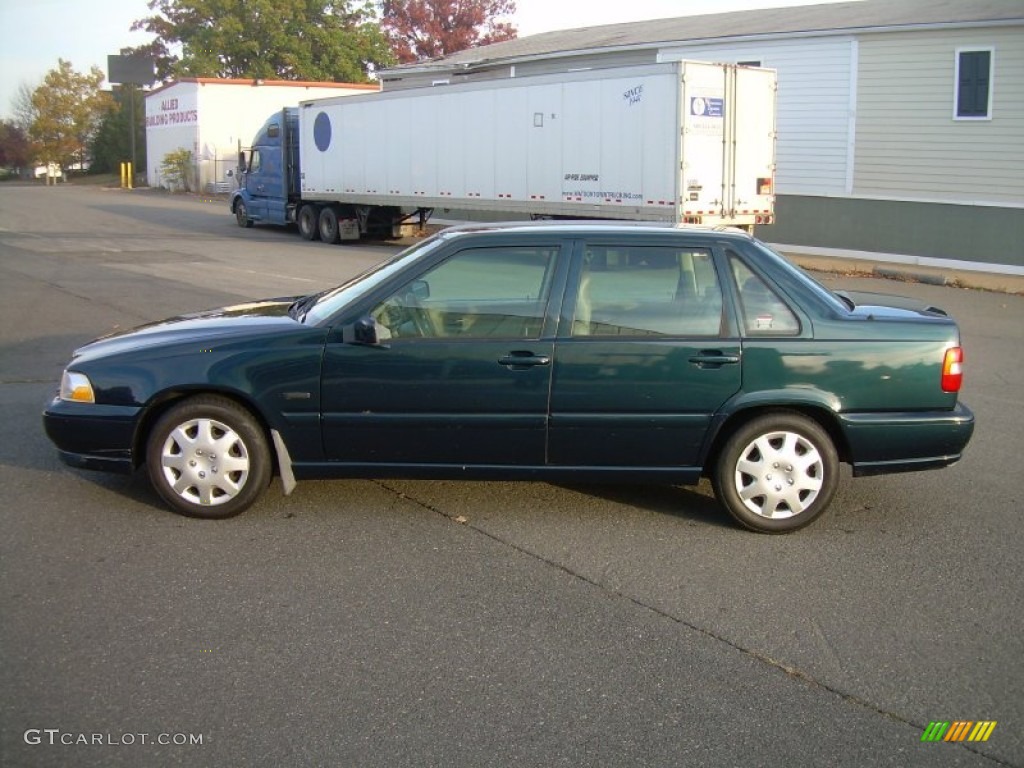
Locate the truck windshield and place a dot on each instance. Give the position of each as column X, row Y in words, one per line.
column 332, row 301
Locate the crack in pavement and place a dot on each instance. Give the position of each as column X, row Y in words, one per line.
column 789, row 671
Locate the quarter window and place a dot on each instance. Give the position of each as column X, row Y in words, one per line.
column 764, row 313
column 477, row 293
column 973, row 84
column 648, row 291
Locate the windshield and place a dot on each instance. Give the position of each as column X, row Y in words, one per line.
column 322, row 306
column 824, row 293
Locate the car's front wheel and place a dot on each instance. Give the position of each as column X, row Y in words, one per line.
column 777, row 473
column 208, row 457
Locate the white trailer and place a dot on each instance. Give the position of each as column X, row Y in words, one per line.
column 685, row 141
column 681, row 142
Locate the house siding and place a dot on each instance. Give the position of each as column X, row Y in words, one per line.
column 813, row 107
column 908, row 144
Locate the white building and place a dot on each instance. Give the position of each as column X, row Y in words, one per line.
column 213, row 118
column 900, row 122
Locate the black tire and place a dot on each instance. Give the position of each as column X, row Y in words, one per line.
column 329, row 225
column 777, row 473
column 242, row 215
column 309, row 222
column 208, row 457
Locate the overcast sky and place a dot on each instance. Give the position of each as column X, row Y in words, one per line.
column 34, row 34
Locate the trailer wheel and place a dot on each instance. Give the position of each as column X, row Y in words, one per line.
column 242, row 215
column 308, row 221
column 329, row 225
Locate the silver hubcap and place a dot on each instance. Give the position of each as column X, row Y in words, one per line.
column 205, row 462
column 779, row 475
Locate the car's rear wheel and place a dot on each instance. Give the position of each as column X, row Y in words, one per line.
column 329, row 225
column 208, row 457
column 242, row 215
column 777, row 473
column 309, row 222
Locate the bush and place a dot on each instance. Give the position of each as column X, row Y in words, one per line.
column 177, row 170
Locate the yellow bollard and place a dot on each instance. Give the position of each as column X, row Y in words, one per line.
column 130, row 172
column 123, row 181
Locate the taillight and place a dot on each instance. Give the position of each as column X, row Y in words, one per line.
column 953, row 369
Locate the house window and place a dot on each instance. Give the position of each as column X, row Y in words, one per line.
column 973, row 94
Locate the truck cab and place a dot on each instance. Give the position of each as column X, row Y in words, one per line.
column 269, row 173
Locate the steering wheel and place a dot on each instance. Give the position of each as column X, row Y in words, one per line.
column 419, row 316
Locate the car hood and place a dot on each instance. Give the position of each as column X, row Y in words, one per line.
column 240, row 319
column 882, row 305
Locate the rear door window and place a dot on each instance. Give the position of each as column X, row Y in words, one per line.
column 647, row 291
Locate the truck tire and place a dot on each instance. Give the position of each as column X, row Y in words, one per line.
column 242, row 215
column 329, row 225
column 309, row 222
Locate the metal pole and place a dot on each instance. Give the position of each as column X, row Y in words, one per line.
column 131, row 127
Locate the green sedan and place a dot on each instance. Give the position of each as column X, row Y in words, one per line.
column 572, row 351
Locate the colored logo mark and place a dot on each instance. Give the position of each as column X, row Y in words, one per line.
column 322, row 131
column 958, row 730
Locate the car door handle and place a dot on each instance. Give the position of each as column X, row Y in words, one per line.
column 522, row 360
column 713, row 358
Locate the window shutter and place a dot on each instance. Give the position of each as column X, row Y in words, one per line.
column 973, row 85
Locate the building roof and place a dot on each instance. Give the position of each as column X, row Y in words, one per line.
column 263, row 84
column 834, row 18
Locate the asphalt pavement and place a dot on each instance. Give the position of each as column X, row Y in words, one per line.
column 400, row 623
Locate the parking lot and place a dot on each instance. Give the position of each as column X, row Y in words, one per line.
column 393, row 623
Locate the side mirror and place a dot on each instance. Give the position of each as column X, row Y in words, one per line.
column 363, row 331
column 230, row 173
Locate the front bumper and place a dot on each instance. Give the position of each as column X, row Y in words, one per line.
column 91, row 436
column 881, row 443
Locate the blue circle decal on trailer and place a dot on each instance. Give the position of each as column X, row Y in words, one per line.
column 322, row 131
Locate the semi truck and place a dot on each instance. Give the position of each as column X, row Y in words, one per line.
column 682, row 142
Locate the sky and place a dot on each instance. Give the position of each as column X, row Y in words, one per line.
column 34, row 34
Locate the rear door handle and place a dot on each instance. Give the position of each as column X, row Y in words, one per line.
column 522, row 360
column 713, row 358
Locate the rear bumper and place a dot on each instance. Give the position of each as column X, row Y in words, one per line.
column 882, row 443
column 90, row 436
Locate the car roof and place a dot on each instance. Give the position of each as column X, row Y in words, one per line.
column 586, row 226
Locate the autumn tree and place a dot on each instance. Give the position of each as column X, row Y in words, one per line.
column 14, row 148
column 427, row 29
column 319, row 40
column 68, row 108
column 22, row 107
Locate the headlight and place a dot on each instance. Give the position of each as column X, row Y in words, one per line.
column 76, row 387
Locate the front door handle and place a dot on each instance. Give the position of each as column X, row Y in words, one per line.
column 713, row 358
column 518, row 361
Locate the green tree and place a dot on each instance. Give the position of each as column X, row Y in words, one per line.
column 68, row 106
column 111, row 145
column 320, row 40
